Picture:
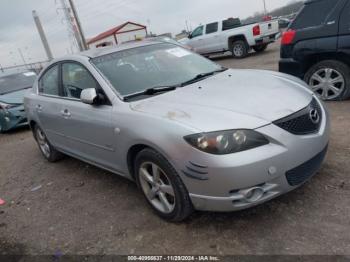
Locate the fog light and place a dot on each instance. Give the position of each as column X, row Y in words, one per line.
column 7, row 119
column 253, row 194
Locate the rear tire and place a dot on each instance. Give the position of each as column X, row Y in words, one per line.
column 48, row 151
column 239, row 49
column 162, row 187
column 330, row 80
column 260, row 48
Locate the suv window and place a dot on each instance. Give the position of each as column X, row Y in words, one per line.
column 76, row 78
column 48, row 83
column 197, row 32
column 314, row 14
column 211, row 28
column 230, row 23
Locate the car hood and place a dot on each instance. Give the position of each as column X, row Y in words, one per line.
column 14, row 97
column 232, row 99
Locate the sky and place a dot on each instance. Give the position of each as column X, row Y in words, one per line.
column 18, row 31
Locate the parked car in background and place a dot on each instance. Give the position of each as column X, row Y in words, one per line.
column 316, row 48
column 283, row 23
column 193, row 135
column 231, row 35
column 13, row 87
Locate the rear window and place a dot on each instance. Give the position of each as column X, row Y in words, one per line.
column 230, row 23
column 314, row 14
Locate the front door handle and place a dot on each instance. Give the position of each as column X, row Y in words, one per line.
column 65, row 113
column 39, row 108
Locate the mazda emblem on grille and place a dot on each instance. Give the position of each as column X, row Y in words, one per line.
column 314, row 116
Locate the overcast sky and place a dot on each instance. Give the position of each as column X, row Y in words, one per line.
column 17, row 28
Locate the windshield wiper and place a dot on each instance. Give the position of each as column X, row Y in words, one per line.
column 201, row 76
column 151, row 91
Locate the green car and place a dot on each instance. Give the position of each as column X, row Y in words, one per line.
column 13, row 87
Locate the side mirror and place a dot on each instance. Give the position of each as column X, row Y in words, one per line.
column 89, row 96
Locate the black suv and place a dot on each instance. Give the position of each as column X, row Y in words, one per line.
column 316, row 48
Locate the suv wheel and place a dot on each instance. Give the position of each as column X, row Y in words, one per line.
column 239, row 49
column 48, row 151
column 162, row 186
column 330, row 80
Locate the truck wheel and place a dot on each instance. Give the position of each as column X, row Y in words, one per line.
column 162, row 187
column 260, row 48
column 239, row 49
column 330, row 80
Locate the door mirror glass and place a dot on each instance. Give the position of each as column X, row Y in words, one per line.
column 89, row 96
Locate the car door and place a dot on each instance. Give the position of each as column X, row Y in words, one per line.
column 196, row 40
column 87, row 128
column 48, row 105
column 212, row 39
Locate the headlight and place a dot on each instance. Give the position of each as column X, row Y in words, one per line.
column 227, row 142
column 5, row 106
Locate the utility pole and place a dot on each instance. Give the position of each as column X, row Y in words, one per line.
column 80, row 29
column 42, row 36
column 265, row 11
column 71, row 25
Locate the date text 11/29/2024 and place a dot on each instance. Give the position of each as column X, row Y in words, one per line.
column 173, row 258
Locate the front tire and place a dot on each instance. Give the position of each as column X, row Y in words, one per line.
column 48, row 151
column 330, row 80
column 162, row 187
column 239, row 49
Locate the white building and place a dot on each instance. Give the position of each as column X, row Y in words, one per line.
column 126, row 32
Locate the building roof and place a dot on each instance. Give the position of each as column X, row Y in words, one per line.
column 112, row 31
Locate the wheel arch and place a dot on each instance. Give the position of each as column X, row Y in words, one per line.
column 135, row 149
column 235, row 38
column 313, row 59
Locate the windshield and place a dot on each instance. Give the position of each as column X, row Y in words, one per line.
column 16, row 82
column 135, row 70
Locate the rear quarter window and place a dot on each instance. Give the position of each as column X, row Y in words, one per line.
column 314, row 14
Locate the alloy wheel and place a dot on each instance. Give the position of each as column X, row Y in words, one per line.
column 157, row 187
column 238, row 50
column 43, row 143
column 327, row 83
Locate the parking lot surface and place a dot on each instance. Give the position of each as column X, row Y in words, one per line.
column 73, row 208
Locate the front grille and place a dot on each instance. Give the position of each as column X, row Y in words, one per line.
column 303, row 172
column 301, row 123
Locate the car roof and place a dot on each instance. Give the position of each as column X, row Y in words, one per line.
column 92, row 53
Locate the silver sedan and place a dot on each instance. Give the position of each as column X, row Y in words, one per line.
column 193, row 135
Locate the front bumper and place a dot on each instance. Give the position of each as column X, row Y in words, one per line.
column 12, row 118
column 291, row 67
column 246, row 179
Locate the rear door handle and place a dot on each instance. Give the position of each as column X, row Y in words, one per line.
column 65, row 113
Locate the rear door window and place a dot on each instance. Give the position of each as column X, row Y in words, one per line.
column 211, row 28
column 48, row 83
column 314, row 14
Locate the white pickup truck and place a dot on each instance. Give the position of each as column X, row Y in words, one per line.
column 231, row 35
